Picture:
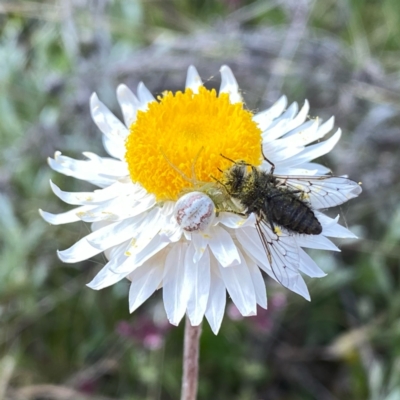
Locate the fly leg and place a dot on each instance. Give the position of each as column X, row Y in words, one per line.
column 269, row 162
column 222, row 184
column 229, row 159
column 238, row 162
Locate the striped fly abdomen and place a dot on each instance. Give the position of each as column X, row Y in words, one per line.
column 292, row 213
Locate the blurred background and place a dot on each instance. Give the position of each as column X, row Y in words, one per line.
column 61, row 340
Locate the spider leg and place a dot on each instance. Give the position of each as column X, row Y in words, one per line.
column 181, row 173
column 194, row 178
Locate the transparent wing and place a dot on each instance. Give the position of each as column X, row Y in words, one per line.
column 282, row 252
column 322, row 191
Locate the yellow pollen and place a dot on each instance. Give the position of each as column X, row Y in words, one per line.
column 185, row 132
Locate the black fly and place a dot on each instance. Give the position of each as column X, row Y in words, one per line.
column 284, row 206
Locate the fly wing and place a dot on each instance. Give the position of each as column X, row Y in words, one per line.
column 282, row 252
column 322, row 191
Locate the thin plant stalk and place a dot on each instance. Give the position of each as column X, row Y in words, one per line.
column 190, row 361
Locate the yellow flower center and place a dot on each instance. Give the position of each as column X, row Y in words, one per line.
column 188, row 132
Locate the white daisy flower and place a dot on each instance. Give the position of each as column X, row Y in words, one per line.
column 166, row 215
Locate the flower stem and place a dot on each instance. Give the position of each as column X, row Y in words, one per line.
column 190, row 361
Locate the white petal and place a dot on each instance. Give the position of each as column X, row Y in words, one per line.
column 309, row 267
column 308, row 132
column 338, row 231
column 277, row 153
column 281, row 125
column 147, row 230
column 99, row 171
column 216, row 302
column 315, row 242
column 115, row 250
column 136, row 260
column 200, row 242
column 199, row 275
column 230, row 220
column 105, row 211
column 145, row 281
column 265, row 118
column 293, row 126
column 129, row 104
column 171, row 229
column 176, row 289
column 95, row 226
column 223, row 247
column 314, row 151
column 117, row 209
column 229, row 85
column 116, row 233
column 107, row 166
column 331, row 228
column 193, row 80
column 240, row 287
column 294, row 171
column 303, row 134
column 80, row 251
column 113, row 148
column 115, row 171
column 251, row 244
column 258, row 282
column 106, row 277
column 300, row 117
column 145, row 95
column 288, row 114
column 83, row 198
column 63, row 218
column 309, row 169
column 301, row 288
column 326, row 127
column 106, row 121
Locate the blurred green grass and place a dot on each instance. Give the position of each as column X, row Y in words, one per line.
column 55, row 331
